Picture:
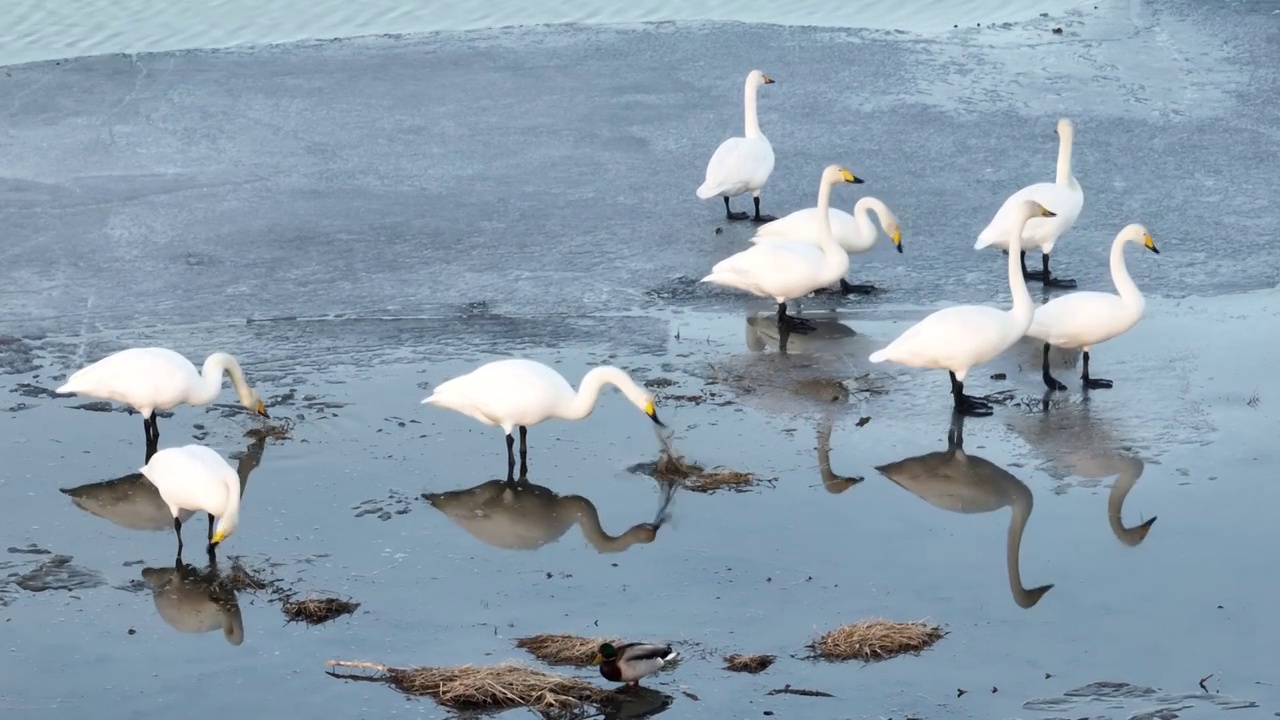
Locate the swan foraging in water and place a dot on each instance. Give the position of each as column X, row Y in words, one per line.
column 193, row 477
column 519, row 393
column 1063, row 195
column 855, row 233
column 628, row 663
column 960, row 337
column 742, row 164
column 956, row 481
column 786, row 269
column 1084, row 319
column 153, row 379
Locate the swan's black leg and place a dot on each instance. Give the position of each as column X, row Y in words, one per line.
column 967, row 404
column 177, row 529
column 524, row 453
column 1049, row 280
column 792, row 323
column 731, row 214
column 846, row 288
column 1092, row 383
column 210, row 538
column 761, row 218
column 1027, row 274
column 1049, row 380
column 511, row 457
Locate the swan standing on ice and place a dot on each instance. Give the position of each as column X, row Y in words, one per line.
column 192, row 478
column 1084, row 319
column 1063, row 195
column 742, row 164
column 154, row 379
column 518, row 392
column 960, row 337
column 786, row 269
column 855, row 233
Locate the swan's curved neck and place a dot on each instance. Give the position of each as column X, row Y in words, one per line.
column 861, row 214
column 751, row 120
column 1021, row 512
column 230, row 517
column 1065, row 141
column 1130, row 536
column 1125, row 286
column 825, row 239
column 1022, row 309
column 588, row 519
column 211, row 379
column 833, row 483
column 589, row 391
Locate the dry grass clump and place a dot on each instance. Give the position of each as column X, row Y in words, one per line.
column 492, row 687
column 748, row 663
column 875, row 640
column 673, row 467
column 271, row 431
column 556, row 649
column 242, row 579
column 709, row 481
column 315, row 610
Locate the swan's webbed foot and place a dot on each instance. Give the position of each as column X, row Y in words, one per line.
column 847, row 288
column 1047, row 277
column 790, row 323
column 1097, row 383
column 761, row 218
column 1027, row 274
column 730, row 214
column 1059, row 282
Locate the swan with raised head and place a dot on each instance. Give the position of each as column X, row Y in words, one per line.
column 1063, row 195
column 193, row 478
column 959, row 337
column 956, row 481
column 192, row 601
column 518, row 393
column 154, row 379
column 521, row 515
column 1084, row 319
column 787, row 269
column 742, row 164
column 855, row 233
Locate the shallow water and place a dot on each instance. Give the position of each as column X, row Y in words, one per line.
column 323, row 191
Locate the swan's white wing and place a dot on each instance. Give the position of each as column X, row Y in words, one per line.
column 773, row 269
column 739, row 165
column 1080, row 318
column 1039, row 232
column 192, row 477
column 803, row 226
column 954, row 338
column 144, row 378
column 506, row 393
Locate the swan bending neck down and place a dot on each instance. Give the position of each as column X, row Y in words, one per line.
column 1063, row 195
column 958, row 338
column 520, row 515
column 519, row 393
column 742, row 164
column 790, row 269
column 155, row 379
column 958, row 482
column 194, row 477
column 1084, row 319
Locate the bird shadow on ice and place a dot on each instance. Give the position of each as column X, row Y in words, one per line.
column 191, row 600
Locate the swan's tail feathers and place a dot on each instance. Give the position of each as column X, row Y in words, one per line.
column 432, row 399
column 715, row 278
column 879, row 356
column 706, row 191
column 984, row 240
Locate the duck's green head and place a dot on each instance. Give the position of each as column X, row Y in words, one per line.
column 606, row 652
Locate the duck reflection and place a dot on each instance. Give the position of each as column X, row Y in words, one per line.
column 194, row 601
column 522, row 515
column 132, row 502
column 954, row 480
column 828, row 336
column 633, row 702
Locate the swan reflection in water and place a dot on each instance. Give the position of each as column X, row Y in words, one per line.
column 522, row 515
column 191, row 600
column 954, row 480
column 828, row 336
column 132, row 502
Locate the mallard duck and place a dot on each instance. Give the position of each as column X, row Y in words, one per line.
column 628, row 663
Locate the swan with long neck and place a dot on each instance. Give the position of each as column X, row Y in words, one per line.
column 789, row 269
column 518, row 393
column 956, row 481
column 742, row 164
column 154, row 379
column 958, row 338
column 1066, row 198
column 855, row 233
column 1084, row 319
column 193, row 478
column 520, row 515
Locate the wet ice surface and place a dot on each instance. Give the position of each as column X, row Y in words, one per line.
column 389, row 212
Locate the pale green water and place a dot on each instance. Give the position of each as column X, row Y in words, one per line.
column 48, row 29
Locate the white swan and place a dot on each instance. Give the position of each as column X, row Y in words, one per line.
column 960, row 337
column 790, row 269
column 193, row 602
column 520, row 515
column 855, row 233
column 1084, row 319
column 742, row 164
column 1063, row 195
column 154, row 379
column 958, row 482
column 193, row 477
column 519, row 393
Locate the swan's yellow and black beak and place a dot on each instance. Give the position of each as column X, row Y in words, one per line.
column 896, row 237
column 768, row 80
column 1046, row 212
column 597, row 659
column 849, row 177
column 262, row 409
column 652, row 412
column 1150, row 244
